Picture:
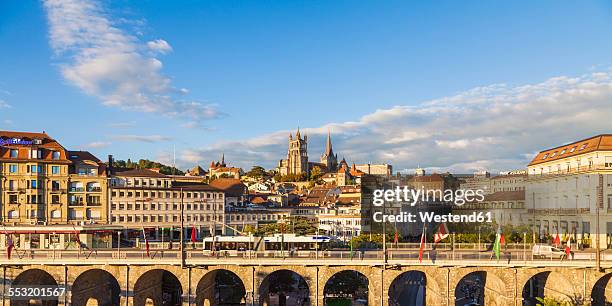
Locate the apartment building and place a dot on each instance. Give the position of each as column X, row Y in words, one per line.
column 34, row 175
column 569, row 190
column 142, row 198
column 87, row 189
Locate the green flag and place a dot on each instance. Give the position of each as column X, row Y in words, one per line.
column 497, row 245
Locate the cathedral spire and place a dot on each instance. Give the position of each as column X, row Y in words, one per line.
column 328, row 146
column 297, row 134
column 223, row 159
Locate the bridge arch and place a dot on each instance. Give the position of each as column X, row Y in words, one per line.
column 220, row 287
column 98, row 285
column 548, row 284
column 348, row 285
column 283, row 287
column 159, row 286
column 602, row 291
column 35, row 277
column 409, row 288
column 484, row 288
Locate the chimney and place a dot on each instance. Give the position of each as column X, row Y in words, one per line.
column 110, row 165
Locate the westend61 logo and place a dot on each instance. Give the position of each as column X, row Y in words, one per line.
column 412, row 196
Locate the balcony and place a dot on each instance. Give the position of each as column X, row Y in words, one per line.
column 94, row 189
column 77, row 189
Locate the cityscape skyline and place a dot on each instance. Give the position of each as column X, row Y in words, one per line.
column 458, row 122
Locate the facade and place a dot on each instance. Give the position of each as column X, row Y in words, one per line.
column 480, row 181
column 87, row 189
column 43, row 183
column 145, row 198
column 297, row 156
column 508, row 182
column 375, row 169
column 569, row 191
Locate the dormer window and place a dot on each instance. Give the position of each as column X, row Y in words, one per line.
column 573, row 149
column 14, row 153
column 55, row 155
column 35, row 154
column 562, row 152
column 582, row 147
column 553, row 155
column 545, row 156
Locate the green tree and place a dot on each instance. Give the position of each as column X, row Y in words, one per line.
column 256, row 172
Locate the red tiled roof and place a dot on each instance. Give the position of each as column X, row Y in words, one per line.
column 596, row 143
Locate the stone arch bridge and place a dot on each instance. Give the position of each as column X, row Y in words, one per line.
column 309, row 283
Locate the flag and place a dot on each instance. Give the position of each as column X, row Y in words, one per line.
column 497, row 245
column 422, row 246
column 502, row 240
column 10, row 245
column 144, row 234
column 441, row 234
column 568, row 246
column 557, row 240
column 193, row 234
column 396, row 238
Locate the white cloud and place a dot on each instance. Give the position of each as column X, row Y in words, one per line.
column 4, row 104
column 159, row 45
column 113, row 65
column 142, row 138
column 98, row 144
column 122, row 125
column 496, row 127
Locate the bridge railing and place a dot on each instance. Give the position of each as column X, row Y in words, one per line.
column 195, row 256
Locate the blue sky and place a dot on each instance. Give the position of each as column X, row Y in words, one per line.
column 236, row 76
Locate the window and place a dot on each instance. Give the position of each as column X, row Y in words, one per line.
column 55, row 169
column 35, row 169
column 14, row 153
column 55, row 199
column 11, row 185
column 55, row 155
column 13, row 214
column 553, row 155
column 562, row 152
column 573, row 149
column 13, row 199
column 35, row 154
column 13, row 168
column 56, row 214
column 582, row 147
column 33, row 184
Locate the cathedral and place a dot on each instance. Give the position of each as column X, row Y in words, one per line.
column 297, row 157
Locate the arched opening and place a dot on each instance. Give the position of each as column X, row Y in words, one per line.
column 159, row 287
column 602, row 286
column 92, row 302
column 220, row 287
column 346, row 288
column 98, row 285
column 471, row 289
column 534, row 288
column 408, row 289
column 284, row 288
column 34, row 277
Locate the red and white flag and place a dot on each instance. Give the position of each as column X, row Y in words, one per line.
column 568, row 246
column 144, row 234
column 422, row 246
column 193, row 234
column 441, row 234
column 10, row 245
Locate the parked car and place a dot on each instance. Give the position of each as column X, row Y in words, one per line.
column 547, row 251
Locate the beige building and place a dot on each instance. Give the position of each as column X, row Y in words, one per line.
column 569, row 190
column 145, row 198
column 43, row 183
column 375, row 169
column 87, row 189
